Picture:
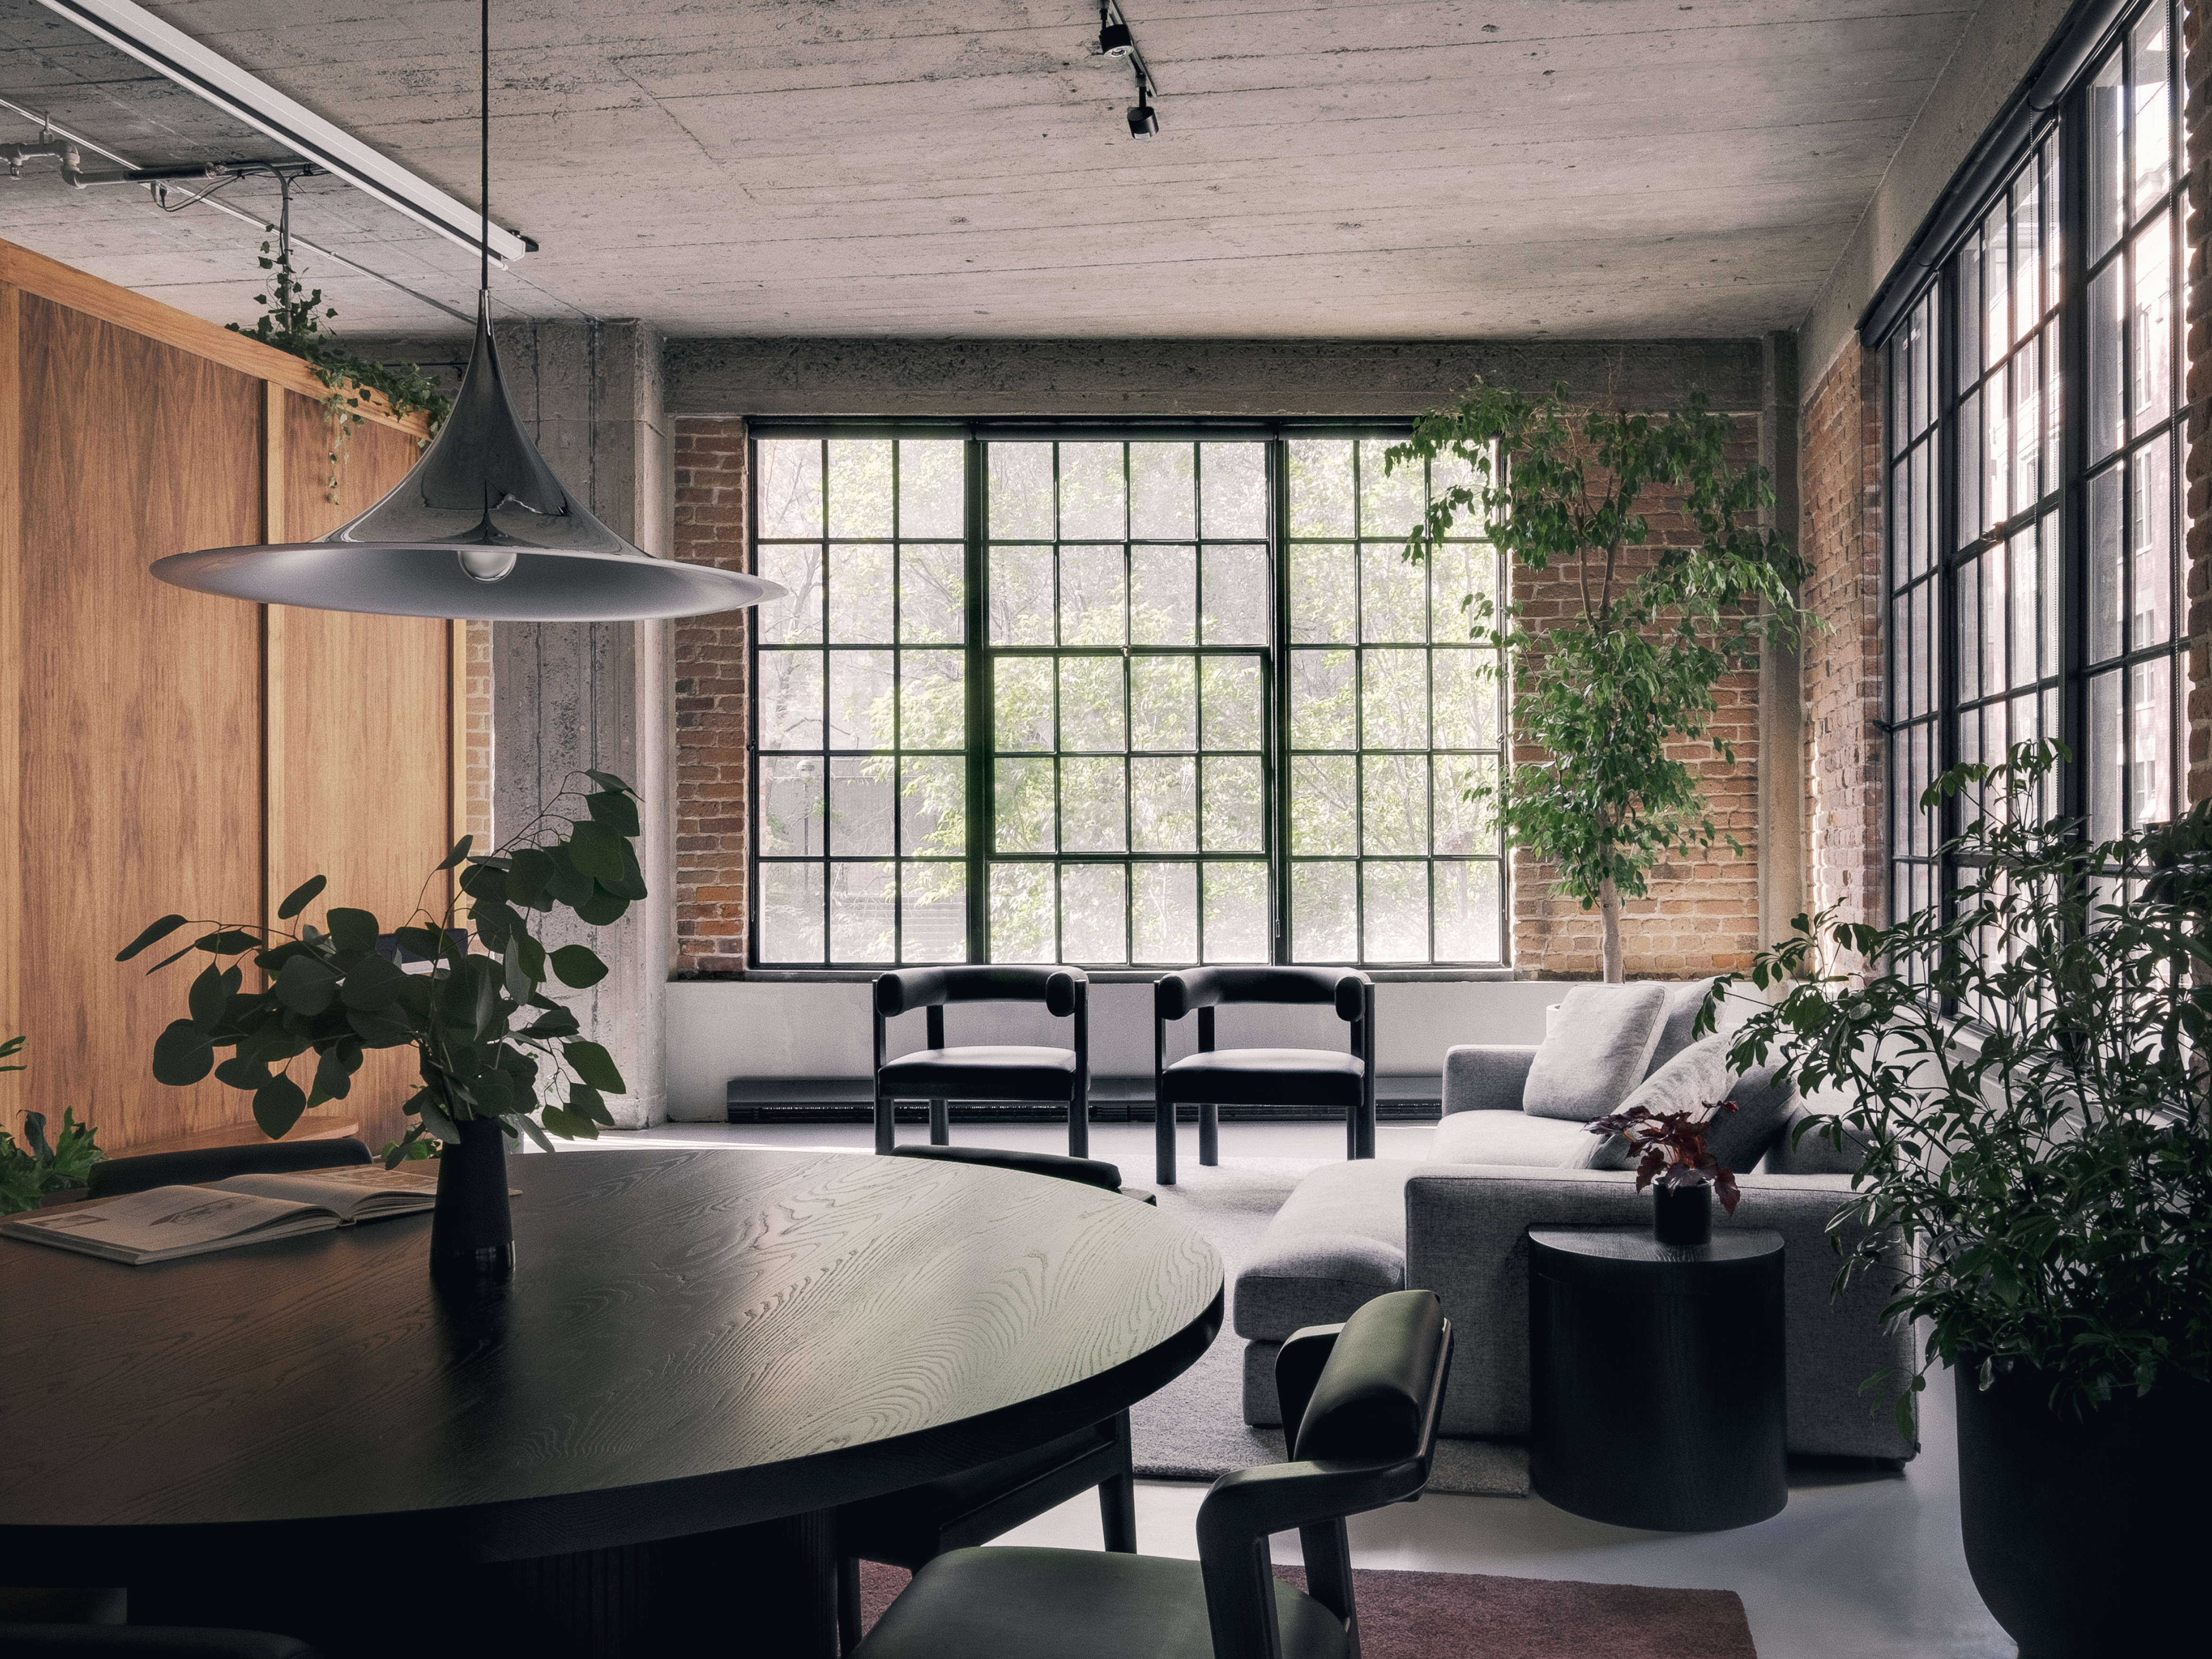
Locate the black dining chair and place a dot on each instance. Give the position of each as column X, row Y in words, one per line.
column 1261, row 1077
column 1360, row 1401
column 907, row 1528
column 999, row 1072
column 113, row 1176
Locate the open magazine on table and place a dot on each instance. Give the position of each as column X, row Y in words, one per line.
column 164, row 1222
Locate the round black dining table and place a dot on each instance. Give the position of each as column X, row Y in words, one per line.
column 634, row 1445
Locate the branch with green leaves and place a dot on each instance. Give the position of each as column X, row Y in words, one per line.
column 1608, row 693
column 492, row 1043
column 2025, row 1068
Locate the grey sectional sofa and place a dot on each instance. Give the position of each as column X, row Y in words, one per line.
column 1457, row 1224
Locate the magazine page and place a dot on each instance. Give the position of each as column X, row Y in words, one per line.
column 165, row 1221
column 352, row 1192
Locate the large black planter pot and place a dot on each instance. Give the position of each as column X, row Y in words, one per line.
column 471, row 1236
column 2084, row 1535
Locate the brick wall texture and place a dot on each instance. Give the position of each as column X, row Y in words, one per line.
column 712, row 815
column 1701, row 915
column 1841, row 532
column 476, row 732
column 2196, row 121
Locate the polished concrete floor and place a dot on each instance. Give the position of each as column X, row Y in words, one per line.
column 1859, row 1566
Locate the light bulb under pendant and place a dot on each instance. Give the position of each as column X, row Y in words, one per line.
column 487, row 564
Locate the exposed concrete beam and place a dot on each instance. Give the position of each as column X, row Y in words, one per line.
column 1118, row 379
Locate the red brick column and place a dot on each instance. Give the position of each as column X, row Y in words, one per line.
column 1842, row 520
column 712, row 817
column 1701, row 916
column 475, row 732
column 2197, row 138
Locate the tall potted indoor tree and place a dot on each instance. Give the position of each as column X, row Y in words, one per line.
column 1606, row 691
column 497, row 1058
column 2025, row 1065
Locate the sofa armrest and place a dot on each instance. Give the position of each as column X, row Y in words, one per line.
column 1467, row 1229
column 1486, row 1078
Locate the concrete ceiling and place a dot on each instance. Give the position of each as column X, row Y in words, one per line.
column 1366, row 168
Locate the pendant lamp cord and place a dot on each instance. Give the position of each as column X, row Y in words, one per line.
column 483, row 158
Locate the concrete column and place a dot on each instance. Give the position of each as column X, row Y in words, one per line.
column 1781, row 673
column 571, row 696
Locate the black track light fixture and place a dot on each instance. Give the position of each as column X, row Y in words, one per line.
column 1144, row 119
column 1115, row 40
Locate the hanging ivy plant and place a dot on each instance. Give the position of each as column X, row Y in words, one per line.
column 292, row 318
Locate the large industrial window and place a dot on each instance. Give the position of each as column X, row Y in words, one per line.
column 1120, row 700
column 2034, row 547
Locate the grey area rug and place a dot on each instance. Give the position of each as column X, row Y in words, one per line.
column 1194, row 1428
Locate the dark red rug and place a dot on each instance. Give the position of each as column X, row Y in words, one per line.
column 1459, row 1615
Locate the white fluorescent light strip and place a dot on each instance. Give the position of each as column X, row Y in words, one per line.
column 171, row 53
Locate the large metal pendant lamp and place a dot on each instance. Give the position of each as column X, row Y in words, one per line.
column 481, row 528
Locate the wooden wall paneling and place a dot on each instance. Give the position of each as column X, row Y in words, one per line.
column 359, row 725
column 13, row 1095
column 140, row 711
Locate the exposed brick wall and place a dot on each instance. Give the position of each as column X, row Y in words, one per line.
column 713, row 820
column 1700, row 917
column 1842, row 529
column 476, row 732
column 2197, row 122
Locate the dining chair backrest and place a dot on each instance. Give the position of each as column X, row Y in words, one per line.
column 1361, row 1402
column 932, row 988
column 1085, row 1171
column 114, row 1177
column 1176, row 994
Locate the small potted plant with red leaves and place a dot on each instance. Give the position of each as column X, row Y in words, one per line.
column 1674, row 1162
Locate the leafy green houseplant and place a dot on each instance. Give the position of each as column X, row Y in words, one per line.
column 2025, row 1067
column 493, row 1048
column 29, row 1171
column 1608, row 692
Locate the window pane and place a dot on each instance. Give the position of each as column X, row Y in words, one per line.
column 2027, row 608
column 1093, row 803
column 1323, row 711
column 1163, row 602
column 1468, row 917
column 933, row 700
column 1230, row 698
column 2105, row 406
column 1164, row 912
column 2150, row 516
column 1463, row 585
column 1391, row 503
column 1393, row 700
column 2027, row 426
column 1973, row 490
column 1233, row 490
column 1090, row 704
column 1092, row 501
column 1234, row 597
column 1231, row 806
column 1463, row 825
column 1235, row 896
column 1324, row 803
column 860, row 594
column 1394, row 803
column 861, row 807
column 1162, row 703
column 932, row 487
column 1020, row 492
column 791, row 816
column 2149, row 119
column 1324, row 914
column 1094, row 911
column 1320, row 487
column 863, row 899
column 1996, row 288
column 933, row 805
column 790, row 699
column 933, row 913
column 2106, row 759
column 2107, row 157
column 797, row 620
column 1323, row 599
column 1466, row 712
column 1163, row 491
column 1969, row 268
column 1093, row 595
column 859, row 486
column 932, row 594
column 1022, row 699
column 1022, row 806
column 860, row 700
column 791, row 912
column 1163, row 804
column 2150, row 355
column 1021, row 595
column 788, row 502
column 1023, row 923
column 1393, row 598
column 2150, row 742
column 1395, row 911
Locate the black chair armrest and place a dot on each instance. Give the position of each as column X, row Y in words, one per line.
column 1297, row 1368
column 906, row 988
column 1176, row 994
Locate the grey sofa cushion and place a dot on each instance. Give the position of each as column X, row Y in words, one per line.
column 1487, row 1077
column 1597, row 1051
column 1676, row 1031
column 1812, row 1154
column 1338, row 1242
column 1741, row 1137
column 1512, row 1137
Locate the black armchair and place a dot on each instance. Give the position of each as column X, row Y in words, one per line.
column 907, row 1528
column 990, row 1072
column 114, row 1177
column 1366, row 1397
column 1261, row 1077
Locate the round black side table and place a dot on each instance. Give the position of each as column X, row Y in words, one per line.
column 1654, row 1378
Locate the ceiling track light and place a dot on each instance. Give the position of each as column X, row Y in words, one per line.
column 1115, row 40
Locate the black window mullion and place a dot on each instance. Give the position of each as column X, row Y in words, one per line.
column 975, row 657
column 1278, row 734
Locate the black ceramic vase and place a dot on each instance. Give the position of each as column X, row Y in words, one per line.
column 1682, row 1215
column 2082, row 1532
column 472, row 1235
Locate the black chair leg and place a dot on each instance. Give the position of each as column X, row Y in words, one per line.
column 886, row 1125
column 1079, row 1128
column 1117, row 1498
column 940, row 1124
column 1164, row 1142
column 848, row 1603
column 1350, row 1133
column 1209, row 1134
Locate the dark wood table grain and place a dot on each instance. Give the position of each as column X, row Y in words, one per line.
column 710, row 1345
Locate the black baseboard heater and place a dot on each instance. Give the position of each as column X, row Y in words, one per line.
column 1408, row 1099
